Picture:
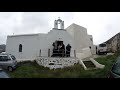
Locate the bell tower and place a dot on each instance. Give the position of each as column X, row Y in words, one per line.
column 59, row 23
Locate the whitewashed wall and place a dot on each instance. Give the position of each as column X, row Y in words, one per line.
column 29, row 45
column 75, row 35
column 34, row 42
column 81, row 38
column 61, row 35
column 86, row 52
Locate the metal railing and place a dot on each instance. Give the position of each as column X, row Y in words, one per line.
column 61, row 53
column 58, row 53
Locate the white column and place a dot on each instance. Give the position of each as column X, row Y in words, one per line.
column 62, row 25
column 55, row 24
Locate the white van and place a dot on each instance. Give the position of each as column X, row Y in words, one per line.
column 101, row 49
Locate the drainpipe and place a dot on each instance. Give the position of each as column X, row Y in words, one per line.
column 40, row 53
column 74, row 53
column 48, row 52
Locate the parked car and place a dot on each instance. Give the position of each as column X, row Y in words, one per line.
column 3, row 74
column 101, row 49
column 115, row 70
column 8, row 61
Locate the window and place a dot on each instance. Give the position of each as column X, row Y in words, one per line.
column 4, row 58
column 20, row 48
column 102, row 45
column 116, row 67
column 13, row 57
column 0, row 58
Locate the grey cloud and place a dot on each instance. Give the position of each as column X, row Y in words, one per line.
column 40, row 22
column 32, row 21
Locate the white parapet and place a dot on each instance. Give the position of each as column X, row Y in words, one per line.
column 81, row 62
column 84, row 53
column 98, row 65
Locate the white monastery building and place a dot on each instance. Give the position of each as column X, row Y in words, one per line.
column 30, row 46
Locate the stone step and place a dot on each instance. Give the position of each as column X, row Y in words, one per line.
column 89, row 64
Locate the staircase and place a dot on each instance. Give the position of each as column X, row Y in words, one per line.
column 89, row 64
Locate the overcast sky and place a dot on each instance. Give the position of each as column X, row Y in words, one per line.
column 102, row 25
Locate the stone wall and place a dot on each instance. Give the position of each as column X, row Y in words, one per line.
column 56, row 62
column 113, row 43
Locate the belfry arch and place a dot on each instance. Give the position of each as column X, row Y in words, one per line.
column 59, row 24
